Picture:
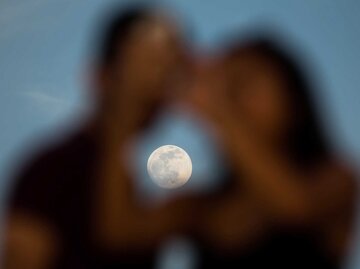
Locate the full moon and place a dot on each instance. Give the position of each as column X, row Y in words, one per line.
column 169, row 166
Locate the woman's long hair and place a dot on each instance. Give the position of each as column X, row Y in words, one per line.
column 305, row 141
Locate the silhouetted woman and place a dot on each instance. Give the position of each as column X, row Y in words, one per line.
column 290, row 201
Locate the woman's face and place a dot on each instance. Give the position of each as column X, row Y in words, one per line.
column 259, row 89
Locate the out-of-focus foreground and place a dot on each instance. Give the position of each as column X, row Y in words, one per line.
column 271, row 186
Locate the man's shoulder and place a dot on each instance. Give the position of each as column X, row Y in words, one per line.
column 43, row 180
column 48, row 171
column 50, row 157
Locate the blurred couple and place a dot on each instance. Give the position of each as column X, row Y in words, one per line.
column 288, row 201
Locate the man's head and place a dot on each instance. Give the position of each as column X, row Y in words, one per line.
column 140, row 58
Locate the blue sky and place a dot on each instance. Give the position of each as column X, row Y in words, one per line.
column 44, row 44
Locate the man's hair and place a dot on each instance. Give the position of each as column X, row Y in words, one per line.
column 117, row 27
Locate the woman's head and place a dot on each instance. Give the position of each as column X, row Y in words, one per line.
column 272, row 96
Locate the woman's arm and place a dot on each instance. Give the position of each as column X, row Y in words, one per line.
column 231, row 222
column 289, row 194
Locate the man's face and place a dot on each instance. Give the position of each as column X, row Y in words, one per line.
column 150, row 65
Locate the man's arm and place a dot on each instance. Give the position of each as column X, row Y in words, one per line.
column 30, row 242
column 121, row 222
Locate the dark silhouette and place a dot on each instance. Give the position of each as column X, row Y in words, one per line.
column 73, row 205
column 289, row 201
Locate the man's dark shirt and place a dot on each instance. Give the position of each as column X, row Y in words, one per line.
column 58, row 187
